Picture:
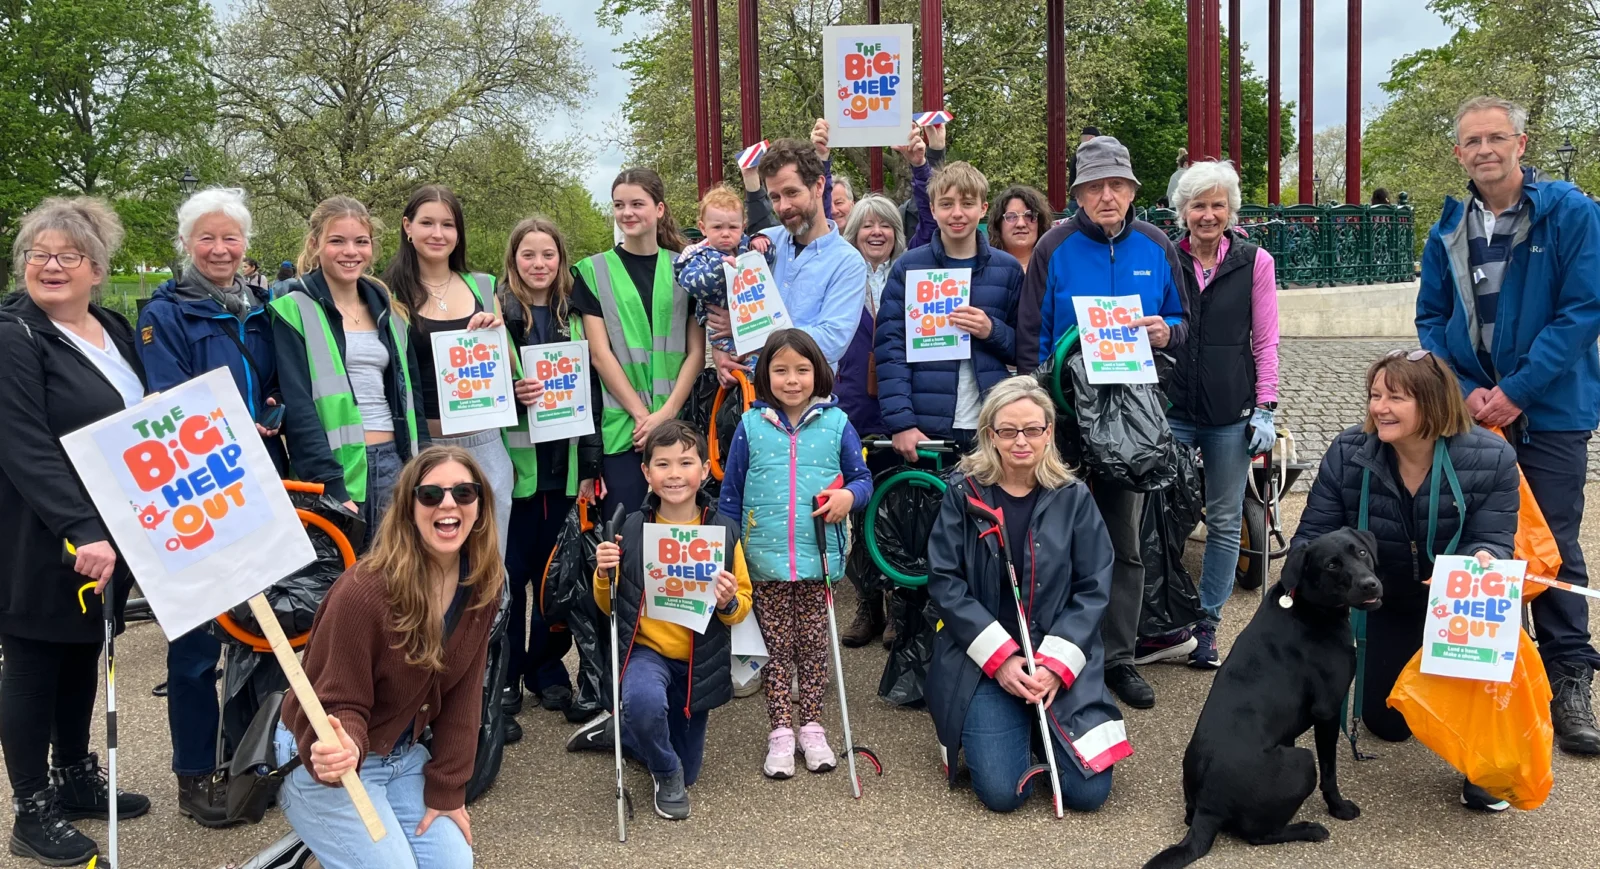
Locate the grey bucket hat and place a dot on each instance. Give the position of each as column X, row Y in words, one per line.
column 1103, row 157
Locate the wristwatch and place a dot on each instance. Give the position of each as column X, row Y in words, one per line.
column 1269, row 406
column 731, row 608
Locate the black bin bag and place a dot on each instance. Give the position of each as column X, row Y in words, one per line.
column 905, row 676
column 1126, row 439
column 567, row 595
column 492, row 723
column 1171, row 598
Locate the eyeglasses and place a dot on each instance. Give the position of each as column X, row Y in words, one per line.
column 1496, row 140
column 1410, row 355
column 1032, row 432
column 433, row 496
column 41, row 257
column 1015, row 216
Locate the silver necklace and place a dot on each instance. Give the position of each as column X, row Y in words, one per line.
column 438, row 298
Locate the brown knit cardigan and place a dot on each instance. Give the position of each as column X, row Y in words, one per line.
column 357, row 664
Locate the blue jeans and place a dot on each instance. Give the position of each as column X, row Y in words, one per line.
column 327, row 821
column 654, row 729
column 192, row 702
column 1225, row 450
column 999, row 738
column 383, row 471
column 1554, row 463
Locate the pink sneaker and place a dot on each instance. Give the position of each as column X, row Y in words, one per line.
column 814, row 742
column 780, row 754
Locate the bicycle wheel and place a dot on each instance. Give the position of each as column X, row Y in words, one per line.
column 899, row 522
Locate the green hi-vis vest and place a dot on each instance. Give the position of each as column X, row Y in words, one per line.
column 524, row 452
column 331, row 393
column 651, row 348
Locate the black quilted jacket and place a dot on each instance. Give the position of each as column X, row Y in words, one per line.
column 1487, row 468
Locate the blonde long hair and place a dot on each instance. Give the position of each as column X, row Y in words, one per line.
column 984, row 464
column 327, row 211
column 401, row 558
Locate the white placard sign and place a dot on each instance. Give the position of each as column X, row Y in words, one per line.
column 565, row 410
column 681, row 563
column 866, row 84
column 931, row 294
column 755, row 307
column 193, row 502
column 1114, row 350
column 473, row 372
column 1474, row 618
column 749, row 650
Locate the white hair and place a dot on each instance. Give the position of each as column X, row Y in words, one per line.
column 881, row 207
column 850, row 192
column 1517, row 115
column 228, row 201
column 1204, row 177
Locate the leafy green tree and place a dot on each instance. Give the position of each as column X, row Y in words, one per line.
column 101, row 97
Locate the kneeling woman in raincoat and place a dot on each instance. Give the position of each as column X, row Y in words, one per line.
column 1426, row 482
column 980, row 692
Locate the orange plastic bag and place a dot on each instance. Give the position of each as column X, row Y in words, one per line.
column 1535, row 543
column 1496, row 734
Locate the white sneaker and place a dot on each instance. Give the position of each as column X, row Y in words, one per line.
column 814, row 742
column 780, row 754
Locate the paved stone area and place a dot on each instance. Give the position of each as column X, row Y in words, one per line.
column 1320, row 391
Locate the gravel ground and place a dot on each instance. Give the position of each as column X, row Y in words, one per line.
column 553, row 809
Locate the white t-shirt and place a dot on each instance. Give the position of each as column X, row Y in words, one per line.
column 110, row 362
column 968, row 400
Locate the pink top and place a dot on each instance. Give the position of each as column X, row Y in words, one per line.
column 1263, row 316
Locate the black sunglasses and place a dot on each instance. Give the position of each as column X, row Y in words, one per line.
column 433, row 496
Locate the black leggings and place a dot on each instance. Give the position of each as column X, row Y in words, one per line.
column 41, row 676
column 1394, row 634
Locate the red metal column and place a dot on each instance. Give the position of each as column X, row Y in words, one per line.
column 874, row 155
column 714, row 91
column 1196, row 78
column 1235, row 123
column 1274, row 100
column 702, row 118
column 1055, row 88
column 932, row 55
column 1213, row 49
column 1308, row 17
column 1352, row 107
column 749, row 75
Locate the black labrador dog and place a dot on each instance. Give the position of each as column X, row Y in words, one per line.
column 1288, row 673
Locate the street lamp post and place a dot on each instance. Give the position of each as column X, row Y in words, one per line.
column 1566, row 154
column 1316, row 189
column 188, row 183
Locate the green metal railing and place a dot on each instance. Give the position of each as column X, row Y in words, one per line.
column 1325, row 245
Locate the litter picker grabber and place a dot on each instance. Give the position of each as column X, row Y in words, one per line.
column 850, row 748
column 981, row 511
column 109, row 618
column 624, row 799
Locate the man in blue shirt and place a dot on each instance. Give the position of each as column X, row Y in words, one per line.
column 1103, row 251
column 1510, row 300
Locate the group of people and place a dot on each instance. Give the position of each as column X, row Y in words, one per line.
column 335, row 366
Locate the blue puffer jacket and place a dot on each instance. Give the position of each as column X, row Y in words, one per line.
column 1548, row 317
column 923, row 394
column 182, row 338
column 774, row 471
column 1077, row 259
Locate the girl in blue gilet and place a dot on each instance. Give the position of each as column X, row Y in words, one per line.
column 794, row 445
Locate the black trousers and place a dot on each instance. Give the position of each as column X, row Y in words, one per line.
column 47, row 694
column 536, row 650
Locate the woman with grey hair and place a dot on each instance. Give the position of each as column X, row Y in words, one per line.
column 1224, row 388
column 208, row 318
column 68, row 363
column 875, row 229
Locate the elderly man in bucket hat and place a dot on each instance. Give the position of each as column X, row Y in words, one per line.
column 1103, row 251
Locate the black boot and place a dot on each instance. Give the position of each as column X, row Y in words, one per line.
column 868, row 623
column 204, row 798
column 511, row 699
column 1572, row 709
column 83, row 791
column 890, row 628
column 513, row 730
column 41, row 833
column 1130, row 687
